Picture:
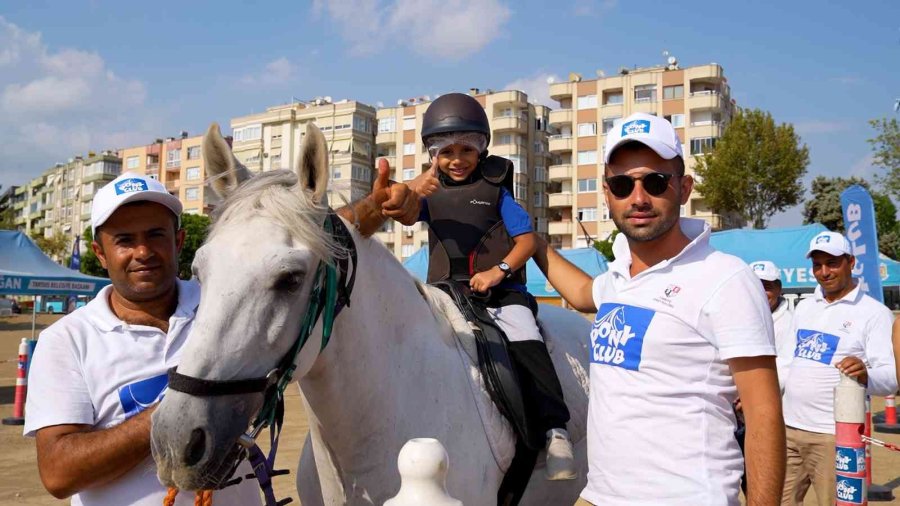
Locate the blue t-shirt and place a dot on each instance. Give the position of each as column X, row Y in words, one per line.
column 515, row 219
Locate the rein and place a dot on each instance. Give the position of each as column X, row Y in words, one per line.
column 329, row 295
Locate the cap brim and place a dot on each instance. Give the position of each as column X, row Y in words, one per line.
column 661, row 149
column 835, row 252
column 767, row 277
column 165, row 199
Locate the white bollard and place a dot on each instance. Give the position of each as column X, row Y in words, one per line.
column 423, row 475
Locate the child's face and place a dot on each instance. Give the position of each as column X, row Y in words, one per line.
column 457, row 161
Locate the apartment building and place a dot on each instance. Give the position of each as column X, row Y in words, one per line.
column 697, row 100
column 518, row 132
column 271, row 140
column 59, row 200
column 177, row 163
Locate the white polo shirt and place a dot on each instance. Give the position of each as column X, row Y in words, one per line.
column 826, row 332
column 660, row 420
column 784, row 340
column 92, row 368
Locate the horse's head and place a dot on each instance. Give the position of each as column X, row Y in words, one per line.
column 256, row 271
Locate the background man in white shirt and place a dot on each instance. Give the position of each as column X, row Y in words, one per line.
column 681, row 330
column 840, row 329
column 98, row 372
column 770, row 276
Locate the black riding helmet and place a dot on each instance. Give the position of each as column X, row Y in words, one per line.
column 455, row 112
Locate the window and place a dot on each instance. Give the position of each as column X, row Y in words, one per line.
column 193, row 153
column 409, row 123
column 504, row 139
column 85, row 208
column 191, row 193
column 518, row 166
column 275, row 160
column 407, row 250
column 613, row 98
column 540, row 174
column 677, row 120
column 409, row 174
column 361, row 125
column 587, row 185
column 604, row 213
column 587, row 102
column 521, row 191
column 587, row 157
column 335, row 174
column 699, row 118
column 538, row 199
column 249, row 133
column 672, row 92
column 587, row 129
column 87, row 189
column 702, row 145
column 645, row 93
column 608, row 124
column 173, row 158
column 361, row 173
column 409, row 149
column 588, row 214
column 192, row 173
column 387, row 124
column 132, row 162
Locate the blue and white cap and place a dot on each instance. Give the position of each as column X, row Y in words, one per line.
column 832, row 243
column 129, row 187
column 765, row 270
column 654, row 132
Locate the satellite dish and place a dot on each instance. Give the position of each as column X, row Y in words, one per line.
column 551, row 79
column 601, row 74
column 672, row 60
column 379, row 104
column 328, row 99
column 574, row 77
column 401, row 102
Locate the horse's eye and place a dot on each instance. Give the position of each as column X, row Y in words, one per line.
column 288, row 281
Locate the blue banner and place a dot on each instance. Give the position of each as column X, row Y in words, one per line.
column 859, row 220
column 75, row 261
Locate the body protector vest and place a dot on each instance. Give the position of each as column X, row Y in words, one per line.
column 466, row 234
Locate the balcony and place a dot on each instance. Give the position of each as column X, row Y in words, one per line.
column 386, row 138
column 561, row 91
column 705, row 99
column 561, row 172
column 173, row 166
column 562, row 117
column 560, row 143
column 510, row 123
column 172, row 185
column 561, row 227
column 556, row 200
column 509, row 97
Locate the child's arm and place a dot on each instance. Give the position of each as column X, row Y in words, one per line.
column 525, row 246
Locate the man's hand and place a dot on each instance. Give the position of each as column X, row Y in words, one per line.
column 396, row 200
column 485, row 280
column 855, row 368
column 426, row 183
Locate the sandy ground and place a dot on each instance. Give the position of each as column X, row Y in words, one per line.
column 20, row 483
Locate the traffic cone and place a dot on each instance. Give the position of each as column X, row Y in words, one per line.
column 889, row 425
column 18, row 417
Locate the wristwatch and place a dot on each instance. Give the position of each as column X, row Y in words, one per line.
column 505, row 268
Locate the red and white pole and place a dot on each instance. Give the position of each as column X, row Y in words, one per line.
column 850, row 462
column 18, row 417
column 889, row 425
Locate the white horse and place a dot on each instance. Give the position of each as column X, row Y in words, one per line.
column 393, row 369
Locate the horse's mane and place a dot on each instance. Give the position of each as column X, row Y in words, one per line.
column 276, row 196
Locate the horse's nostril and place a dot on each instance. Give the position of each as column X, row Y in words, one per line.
column 195, row 448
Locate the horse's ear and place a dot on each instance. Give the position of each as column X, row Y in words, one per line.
column 313, row 169
column 225, row 171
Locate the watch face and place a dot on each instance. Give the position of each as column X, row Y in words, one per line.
column 504, row 266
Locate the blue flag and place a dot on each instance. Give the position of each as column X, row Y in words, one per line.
column 859, row 220
column 75, row 261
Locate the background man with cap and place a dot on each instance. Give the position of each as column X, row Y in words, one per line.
column 99, row 371
column 770, row 276
column 839, row 329
column 681, row 330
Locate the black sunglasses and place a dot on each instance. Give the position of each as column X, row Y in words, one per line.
column 655, row 183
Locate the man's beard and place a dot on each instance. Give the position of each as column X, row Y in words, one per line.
column 649, row 232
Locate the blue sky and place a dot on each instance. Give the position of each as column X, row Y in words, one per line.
column 105, row 74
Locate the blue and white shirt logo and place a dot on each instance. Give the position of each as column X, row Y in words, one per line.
column 638, row 126
column 131, row 185
column 140, row 395
column 617, row 336
column 850, row 490
column 816, row 346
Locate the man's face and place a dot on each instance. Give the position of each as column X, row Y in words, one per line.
column 641, row 216
column 138, row 245
column 834, row 273
column 773, row 292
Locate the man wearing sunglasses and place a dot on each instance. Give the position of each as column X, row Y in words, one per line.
column 681, row 330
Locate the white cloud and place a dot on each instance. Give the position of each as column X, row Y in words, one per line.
column 276, row 72
column 452, row 29
column 813, row 127
column 58, row 103
column 537, row 87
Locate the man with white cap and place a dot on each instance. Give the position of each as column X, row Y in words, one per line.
column 98, row 372
column 770, row 276
column 681, row 330
column 838, row 330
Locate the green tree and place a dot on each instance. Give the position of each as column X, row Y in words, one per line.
column 755, row 169
column 886, row 153
column 90, row 264
column 605, row 246
column 56, row 246
column 825, row 207
column 196, row 227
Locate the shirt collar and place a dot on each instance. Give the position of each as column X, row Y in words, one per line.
column 105, row 320
column 697, row 231
column 851, row 297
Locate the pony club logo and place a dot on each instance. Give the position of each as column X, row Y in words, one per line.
column 759, row 267
column 816, row 346
column 617, row 335
column 850, row 490
column 140, row 395
column 130, row 185
column 823, row 238
column 638, row 126
column 672, row 291
column 850, row 460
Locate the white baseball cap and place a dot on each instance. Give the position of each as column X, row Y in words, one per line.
column 832, row 243
column 130, row 187
column 652, row 131
column 765, row 270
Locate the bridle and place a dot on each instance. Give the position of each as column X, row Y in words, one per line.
column 330, row 293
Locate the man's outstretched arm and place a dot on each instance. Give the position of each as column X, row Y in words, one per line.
column 573, row 284
column 387, row 200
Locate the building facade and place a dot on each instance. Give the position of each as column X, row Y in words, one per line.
column 518, row 132
column 696, row 100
